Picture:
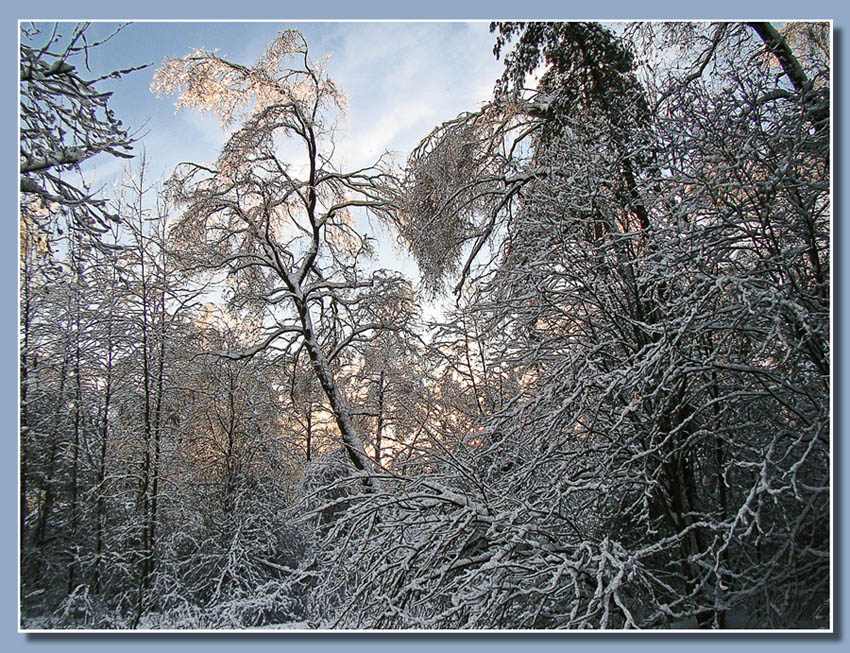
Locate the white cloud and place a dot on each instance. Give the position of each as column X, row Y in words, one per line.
column 362, row 144
column 405, row 78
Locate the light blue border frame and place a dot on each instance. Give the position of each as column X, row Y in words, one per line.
column 10, row 640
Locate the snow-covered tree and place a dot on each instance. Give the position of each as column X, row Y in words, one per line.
column 229, row 419
column 227, row 547
column 66, row 120
column 276, row 215
column 661, row 278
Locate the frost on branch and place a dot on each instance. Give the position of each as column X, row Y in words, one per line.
column 65, row 121
column 623, row 423
column 659, row 291
column 453, row 190
column 280, row 227
column 232, row 92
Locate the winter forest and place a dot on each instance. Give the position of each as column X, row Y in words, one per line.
column 600, row 401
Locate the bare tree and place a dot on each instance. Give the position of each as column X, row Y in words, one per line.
column 660, row 278
column 279, row 223
column 66, row 120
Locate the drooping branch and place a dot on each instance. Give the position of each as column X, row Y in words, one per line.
column 66, row 120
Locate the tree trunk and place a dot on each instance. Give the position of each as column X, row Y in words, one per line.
column 342, row 413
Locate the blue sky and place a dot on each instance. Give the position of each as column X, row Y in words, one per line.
column 401, row 78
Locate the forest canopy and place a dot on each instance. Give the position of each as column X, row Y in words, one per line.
column 232, row 417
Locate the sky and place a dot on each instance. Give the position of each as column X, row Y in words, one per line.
column 401, row 78
column 166, row 142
